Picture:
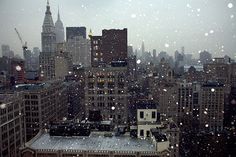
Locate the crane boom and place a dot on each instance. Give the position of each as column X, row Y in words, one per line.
column 18, row 34
column 24, row 46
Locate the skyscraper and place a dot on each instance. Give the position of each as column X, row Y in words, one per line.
column 7, row 52
column 48, row 37
column 59, row 29
column 72, row 32
column 205, row 57
column 79, row 48
column 212, row 106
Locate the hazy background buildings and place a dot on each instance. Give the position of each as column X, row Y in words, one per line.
column 162, row 25
column 182, row 101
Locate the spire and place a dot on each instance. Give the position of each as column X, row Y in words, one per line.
column 90, row 33
column 48, row 21
column 48, row 8
column 58, row 14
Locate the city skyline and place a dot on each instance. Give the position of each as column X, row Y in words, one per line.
column 169, row 25
column 95, row 95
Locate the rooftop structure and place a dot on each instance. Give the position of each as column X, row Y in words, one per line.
column 91, row 145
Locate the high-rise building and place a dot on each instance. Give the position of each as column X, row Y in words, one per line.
column 7, row 52
column 96, row 51
column 36, row 51
column 48, row 37
column 130, row 51
column 106, row 91
column 233, row 74
column 72, row 32
column 188, row 105
column 218, row 70
column 111, row 46
column 143, row 49
column 179, row 62
column 79, row 48
column 114, row 45
column 35, row 59
column 205, row 57
column 28, row 57
column 11, row 54
column 166, row 96
column 230, row 110
column 59, row 29
column 44, row 103
column 63, row 61
column 154, row 54
column 12, row 124
column 132, row 69
column 165, row 72
column 212, row 99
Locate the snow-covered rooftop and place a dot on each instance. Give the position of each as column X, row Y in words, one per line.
column 94, row 142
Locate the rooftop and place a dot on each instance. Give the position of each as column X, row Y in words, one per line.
column 212, row 84
column 146, row 104
column 94, row 142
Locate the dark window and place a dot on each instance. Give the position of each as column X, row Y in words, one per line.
column 141, row 114
column 153, row 114
column 141, row 132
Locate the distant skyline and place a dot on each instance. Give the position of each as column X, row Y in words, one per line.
column 164, row 25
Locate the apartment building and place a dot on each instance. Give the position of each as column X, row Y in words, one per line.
column 106, row 91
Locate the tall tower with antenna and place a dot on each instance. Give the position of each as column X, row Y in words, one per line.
column 59, row 29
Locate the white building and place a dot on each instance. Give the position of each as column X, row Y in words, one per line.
column 162, row 133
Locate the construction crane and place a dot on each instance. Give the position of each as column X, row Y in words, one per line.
column 24, row 46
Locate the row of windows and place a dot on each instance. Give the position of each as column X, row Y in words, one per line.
column 32, row 96
column 141, row 113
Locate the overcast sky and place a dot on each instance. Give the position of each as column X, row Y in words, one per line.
column 161, row 24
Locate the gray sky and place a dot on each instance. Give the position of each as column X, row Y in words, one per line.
column 162, row 24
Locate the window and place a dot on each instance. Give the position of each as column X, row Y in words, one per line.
column 153, row 114
column 141, row 133
column 148, row 133
column 141, row 114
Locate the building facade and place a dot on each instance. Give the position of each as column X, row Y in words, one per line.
column 212, row 101
column 12, row 124
column 106, row 91
column 79, row 49
column 44, row 103
column 111, row 46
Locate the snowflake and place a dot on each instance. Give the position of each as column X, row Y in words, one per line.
column 230, row 5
